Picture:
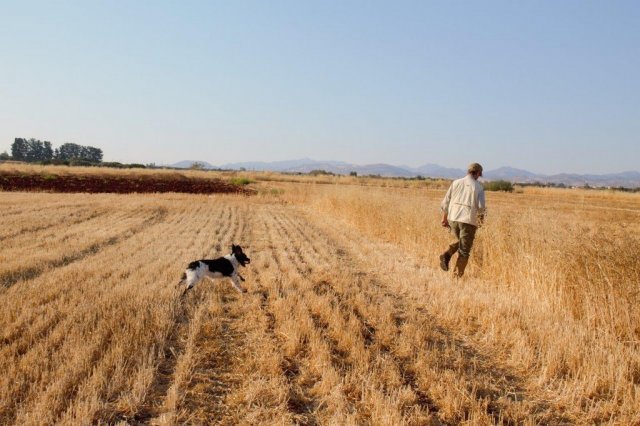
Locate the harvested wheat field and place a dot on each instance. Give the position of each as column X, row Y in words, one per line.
column 347, row 320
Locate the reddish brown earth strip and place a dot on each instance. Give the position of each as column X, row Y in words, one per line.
column 116, row 184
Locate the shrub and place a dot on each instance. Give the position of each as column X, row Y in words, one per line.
column 498, row 185
column 317, row 172
column 81, row 162
column 241, row 181
column 112, row 164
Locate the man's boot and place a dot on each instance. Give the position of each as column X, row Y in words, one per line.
column 445, row 257
column 444, row 261
column 461, row 264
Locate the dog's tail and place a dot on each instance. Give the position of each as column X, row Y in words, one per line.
column 183, row 279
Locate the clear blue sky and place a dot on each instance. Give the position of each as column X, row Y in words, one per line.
column 549, row 86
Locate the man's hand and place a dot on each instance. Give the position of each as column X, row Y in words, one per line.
column 480, row 220
column 445, row 222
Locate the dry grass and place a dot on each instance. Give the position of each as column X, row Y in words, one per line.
column 347, row 319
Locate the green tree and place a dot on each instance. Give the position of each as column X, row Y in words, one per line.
column 38, row 150
column 72, row 151
column 31, row 150
column 19, row 149
column 47, row 151
column 68, row 151
column 91, row 154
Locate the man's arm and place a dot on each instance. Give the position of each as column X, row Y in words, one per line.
column 482, row 208
column 445, row 220
column 444, row 207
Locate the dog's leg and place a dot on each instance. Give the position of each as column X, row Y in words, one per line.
column 241, row 278
column 192, row 278
column 236, row 283
column 182, row 280
column 189, row 287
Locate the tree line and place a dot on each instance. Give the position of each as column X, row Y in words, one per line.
column 33, row 150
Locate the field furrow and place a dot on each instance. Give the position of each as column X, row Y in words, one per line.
column 21, row 207
column 289, row 327
column 86, row 239
column 46, row 220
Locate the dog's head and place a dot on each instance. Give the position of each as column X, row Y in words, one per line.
column 239, row 254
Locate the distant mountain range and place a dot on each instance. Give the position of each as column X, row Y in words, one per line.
column 630, row 179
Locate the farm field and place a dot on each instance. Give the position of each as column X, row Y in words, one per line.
column 347, row 319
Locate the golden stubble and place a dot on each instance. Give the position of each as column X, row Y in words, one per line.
column 348, row 319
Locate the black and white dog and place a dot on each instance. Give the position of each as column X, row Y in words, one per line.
column 226, row 266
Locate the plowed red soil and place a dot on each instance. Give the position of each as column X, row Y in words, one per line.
column 115, row 184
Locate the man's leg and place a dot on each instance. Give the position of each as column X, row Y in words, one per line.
column 445, row 257
column 467, row 235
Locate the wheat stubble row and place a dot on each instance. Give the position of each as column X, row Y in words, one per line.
column 84, row 339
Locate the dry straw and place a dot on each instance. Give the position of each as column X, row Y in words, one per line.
column 348, row 319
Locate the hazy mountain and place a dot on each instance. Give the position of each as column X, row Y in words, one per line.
column 384, row 170
column 625, row 179
column 509, row 173
column 629, row 179
column 346, row 168
column 278, row 166
column 434, row 170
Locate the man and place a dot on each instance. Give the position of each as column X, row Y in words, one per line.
column 463, row 210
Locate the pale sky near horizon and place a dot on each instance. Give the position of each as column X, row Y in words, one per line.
column 548, row 86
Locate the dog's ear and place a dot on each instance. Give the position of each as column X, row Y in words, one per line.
column 233, row 248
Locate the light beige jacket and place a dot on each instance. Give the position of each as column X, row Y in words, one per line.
column 464, row 201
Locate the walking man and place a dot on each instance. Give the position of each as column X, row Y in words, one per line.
column 463, row 210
